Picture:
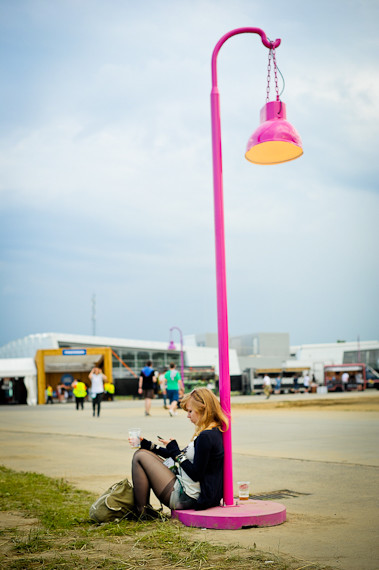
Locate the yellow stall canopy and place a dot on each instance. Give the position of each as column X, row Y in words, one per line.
column 53, row 363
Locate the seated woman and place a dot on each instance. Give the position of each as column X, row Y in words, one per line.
column 197, row 479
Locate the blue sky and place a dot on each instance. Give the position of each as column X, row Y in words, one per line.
column 106, row 175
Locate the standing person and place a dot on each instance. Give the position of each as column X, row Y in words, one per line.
column 97, row 388
column 109, row 390
column 267, row 386
column 278, row 383
column 306, row 382
column 60, row 392
column 174, row 383
column 313, row 384
column 198, row 482
column 80, row 392
column 162, row 385
column 49, row 394
column 147, row 380
column 345, row 380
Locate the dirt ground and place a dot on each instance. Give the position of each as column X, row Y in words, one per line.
column 332, row 404
column 323, row 450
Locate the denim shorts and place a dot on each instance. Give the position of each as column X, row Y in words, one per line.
column 173, row 395
column 179, row 500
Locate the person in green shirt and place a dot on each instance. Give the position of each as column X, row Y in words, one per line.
column 174, row 383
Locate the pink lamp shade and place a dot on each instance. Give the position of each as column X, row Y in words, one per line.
column 171, row 346
column 275, row 140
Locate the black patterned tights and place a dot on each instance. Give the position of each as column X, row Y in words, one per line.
column 148, row 472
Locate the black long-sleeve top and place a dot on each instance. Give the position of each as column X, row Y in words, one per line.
column 207, row 466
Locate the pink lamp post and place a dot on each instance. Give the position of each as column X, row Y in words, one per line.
column 171, row 346
column 274, row 141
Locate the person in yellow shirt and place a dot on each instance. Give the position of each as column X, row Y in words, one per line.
column 109, row 391
column 80, row 392
column 49, row 394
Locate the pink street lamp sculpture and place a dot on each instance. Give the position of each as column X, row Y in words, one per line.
column 275, row 141
column 172, row 346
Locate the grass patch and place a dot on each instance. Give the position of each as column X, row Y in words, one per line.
column 56, row 503
column 64, row 538
column 36, row 541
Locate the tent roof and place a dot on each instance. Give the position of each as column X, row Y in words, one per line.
column 11, row 367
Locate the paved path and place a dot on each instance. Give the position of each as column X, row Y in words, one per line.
column 327, row 456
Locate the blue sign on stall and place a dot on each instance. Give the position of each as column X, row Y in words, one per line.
column 74, row 351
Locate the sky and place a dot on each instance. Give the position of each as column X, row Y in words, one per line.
column 106, row 175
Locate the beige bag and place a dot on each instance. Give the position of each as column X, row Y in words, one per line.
column 115, row 504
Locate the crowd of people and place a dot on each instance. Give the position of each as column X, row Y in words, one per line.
column 274, row 385
column 98, row 388
column 170, row 384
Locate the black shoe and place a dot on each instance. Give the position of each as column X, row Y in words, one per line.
column 150, row 514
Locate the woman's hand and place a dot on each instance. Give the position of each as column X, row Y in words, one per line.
column 134, row 440
column 164, row 441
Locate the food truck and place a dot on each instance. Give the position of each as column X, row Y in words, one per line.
column 357, row 379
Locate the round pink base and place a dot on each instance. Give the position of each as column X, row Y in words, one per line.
column 245, row 514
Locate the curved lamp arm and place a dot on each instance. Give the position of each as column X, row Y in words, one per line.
column 235, row 32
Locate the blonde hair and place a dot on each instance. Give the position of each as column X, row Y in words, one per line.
column 205, row 403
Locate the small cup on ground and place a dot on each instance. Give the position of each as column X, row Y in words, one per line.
column 243, row 490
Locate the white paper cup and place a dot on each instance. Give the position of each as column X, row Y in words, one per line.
column 134, row 438
column 243, row 490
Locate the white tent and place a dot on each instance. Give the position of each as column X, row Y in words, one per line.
column 21, row 368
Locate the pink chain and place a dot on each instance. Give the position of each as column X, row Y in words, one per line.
column 271, row 54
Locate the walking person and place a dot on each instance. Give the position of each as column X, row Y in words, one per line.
column 197, row 481
column 174, row 383
column 267, row 386
column 97, row 388
column 80, row 392
column 162, row 385
column 147, row 380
